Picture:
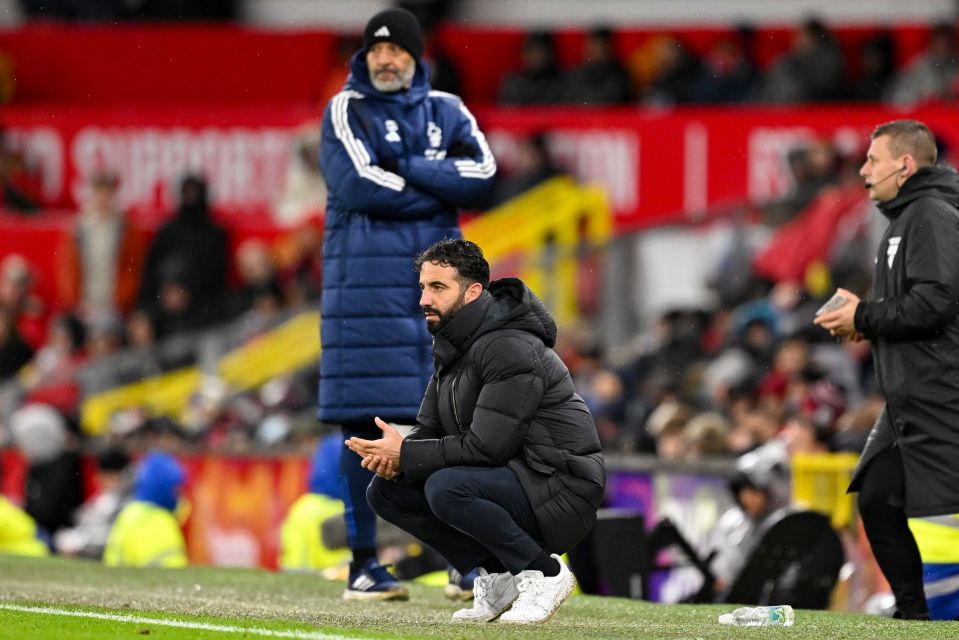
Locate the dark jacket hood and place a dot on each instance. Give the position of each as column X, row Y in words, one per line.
column 936, row 182
column 359, row 80
column 507, row 304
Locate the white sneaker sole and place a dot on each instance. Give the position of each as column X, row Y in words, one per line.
column 559, row 602
column 491, row 616
column 402, row 593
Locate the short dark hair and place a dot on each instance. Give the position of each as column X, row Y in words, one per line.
column 464, row 256
column 912, row 137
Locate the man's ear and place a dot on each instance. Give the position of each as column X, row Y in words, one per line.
column 472, row 292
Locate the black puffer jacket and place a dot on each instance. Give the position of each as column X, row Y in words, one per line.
column 500, row 396
column 913, row 323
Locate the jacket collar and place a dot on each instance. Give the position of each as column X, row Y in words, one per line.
column 450, row 342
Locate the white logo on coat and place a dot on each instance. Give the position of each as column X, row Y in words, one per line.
column 392, row 131
column 891, row 250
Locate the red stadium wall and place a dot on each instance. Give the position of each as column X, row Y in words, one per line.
column 216, row 64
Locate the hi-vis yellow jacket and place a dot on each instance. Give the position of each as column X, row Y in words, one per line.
column 145, row 535
column 18, row 532
column 301, row 545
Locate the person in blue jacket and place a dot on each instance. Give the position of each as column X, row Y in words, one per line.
column 399, row 161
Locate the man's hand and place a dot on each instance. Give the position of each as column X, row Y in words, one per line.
column 841, row 322
column 379, row 456
column 380, row 466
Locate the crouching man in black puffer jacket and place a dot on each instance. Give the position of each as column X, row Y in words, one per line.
column 503, row 470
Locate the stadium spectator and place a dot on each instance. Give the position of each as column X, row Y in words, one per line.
column 811, row 71
column 761, row 489
column 147, row 532
column 87, row 538
column 17, row 297
column 539, row 80
column 932, row 74
column 53, row 487
column 534, row 166
column 726, row 75
column 908, row 466
column 186, row 266
column 600, row 79
column 877, row 66
column 503, row 469
column 99, row 263
column 14, row 351
column 19, row 535
column 20, row 184
column 301, row 542
column 674, row 76
column 398, row 163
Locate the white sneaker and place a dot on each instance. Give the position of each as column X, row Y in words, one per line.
column 539, row 596
column 493, row 593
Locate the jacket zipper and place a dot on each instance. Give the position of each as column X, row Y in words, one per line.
column 456, row 415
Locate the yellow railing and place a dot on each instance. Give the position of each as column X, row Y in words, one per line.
column 820, row 481
column 539, row 237
column 542, row 236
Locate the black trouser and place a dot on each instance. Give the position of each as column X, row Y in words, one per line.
column 881, row 506
column 471, row 515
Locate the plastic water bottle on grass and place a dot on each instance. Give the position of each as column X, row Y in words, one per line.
column 760, row 616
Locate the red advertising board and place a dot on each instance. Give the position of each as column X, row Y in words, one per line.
column 656, row 166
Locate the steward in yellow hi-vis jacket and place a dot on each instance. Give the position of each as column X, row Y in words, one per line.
column 301, row 542
column 18, row 532
column 147, row 533
column 938, row 541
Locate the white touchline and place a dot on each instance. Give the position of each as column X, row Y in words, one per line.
column 184, row 624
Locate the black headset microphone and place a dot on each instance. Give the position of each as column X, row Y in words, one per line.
column 870, row 185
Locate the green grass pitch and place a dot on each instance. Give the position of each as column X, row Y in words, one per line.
column 79, row 600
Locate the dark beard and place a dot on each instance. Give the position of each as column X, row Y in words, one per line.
column 433, row 326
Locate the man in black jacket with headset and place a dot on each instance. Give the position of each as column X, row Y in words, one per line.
column 503, row 469
column 909, row 465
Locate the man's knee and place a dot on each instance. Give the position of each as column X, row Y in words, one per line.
column 443, row 489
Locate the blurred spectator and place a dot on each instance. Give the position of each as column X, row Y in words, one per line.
column 301, row 542
column 539, row 80
column 761, row 488
column 931, row 75
column 99, row 263
column 534, row 167
column 811, row 71
column 20, row 188
column 304, row 193
column 51, row 376
column 17, row 297
column 667, row 426
column 147, row 532
column 14, row 351
column 53, row 486
column 185, row 273
column 444, row 75
column 727, row 75
column 706, row 436
column 258, row 278
column 877, row 64
column 93, row 520
column 675, row 74
column 600, row 79
column 19, row 535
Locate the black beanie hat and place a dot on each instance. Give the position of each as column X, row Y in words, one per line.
column 398, row 26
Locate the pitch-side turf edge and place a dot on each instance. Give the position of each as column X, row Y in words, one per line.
column 183, row 624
